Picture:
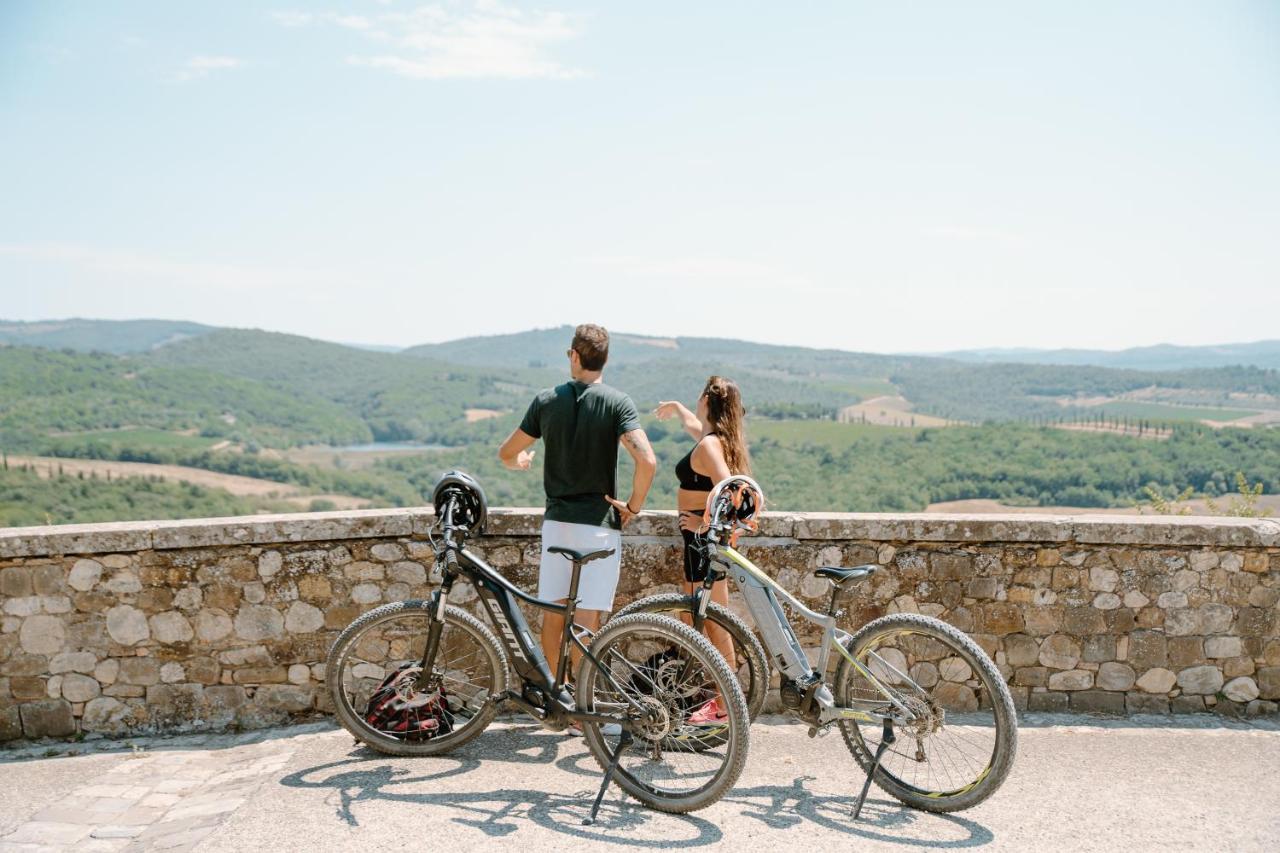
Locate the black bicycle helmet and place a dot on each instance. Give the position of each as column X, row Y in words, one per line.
column 470, row 509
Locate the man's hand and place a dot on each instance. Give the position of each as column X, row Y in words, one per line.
column 515, row 453
column 624, row 511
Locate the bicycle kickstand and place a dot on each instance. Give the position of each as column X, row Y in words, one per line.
column 886, row 740
column 624, row 740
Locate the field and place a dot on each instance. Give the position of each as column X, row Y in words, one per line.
column 1160, row 412
column 889, row 411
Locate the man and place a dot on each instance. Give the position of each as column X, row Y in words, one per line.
column 581, row 424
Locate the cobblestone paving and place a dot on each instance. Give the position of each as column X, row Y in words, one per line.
column 1079, row 784
column 162, row 800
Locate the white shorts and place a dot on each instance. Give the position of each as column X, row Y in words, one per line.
column 599, row 580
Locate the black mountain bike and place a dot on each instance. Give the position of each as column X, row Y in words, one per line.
column 921, row 706
column 425, row 677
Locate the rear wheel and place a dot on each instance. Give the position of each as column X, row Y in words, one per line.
column 751, row 666
column 377, row 660
column 658, row 672
column 959, row 748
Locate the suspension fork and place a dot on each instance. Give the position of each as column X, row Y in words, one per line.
column 435, row 617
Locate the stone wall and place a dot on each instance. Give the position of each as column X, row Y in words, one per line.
column 216, row 623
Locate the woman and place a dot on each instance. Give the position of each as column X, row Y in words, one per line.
column 720, row 451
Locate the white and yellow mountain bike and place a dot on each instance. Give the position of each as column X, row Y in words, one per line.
column 921, row 706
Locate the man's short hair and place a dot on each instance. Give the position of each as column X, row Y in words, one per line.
column 591, row 343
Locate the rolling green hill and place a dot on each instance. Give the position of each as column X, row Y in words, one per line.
column 47, row 392
column 1264, row 354
column 113, row 336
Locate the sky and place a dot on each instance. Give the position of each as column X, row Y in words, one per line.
column 879, row 177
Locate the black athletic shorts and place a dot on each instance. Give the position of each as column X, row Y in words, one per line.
column 696, row 563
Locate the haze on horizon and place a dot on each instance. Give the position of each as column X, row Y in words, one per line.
column 850, row 175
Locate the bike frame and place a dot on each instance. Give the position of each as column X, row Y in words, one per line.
column 762, row 594
column 499, row 596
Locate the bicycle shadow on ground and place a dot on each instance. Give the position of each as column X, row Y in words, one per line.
column 365, row 776
column 884, row 820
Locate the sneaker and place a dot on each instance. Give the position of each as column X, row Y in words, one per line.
column 709, row 714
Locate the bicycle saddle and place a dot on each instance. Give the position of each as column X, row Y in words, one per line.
column 840, row 575
column 580, row 557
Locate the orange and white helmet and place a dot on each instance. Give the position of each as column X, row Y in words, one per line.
column 734, row 505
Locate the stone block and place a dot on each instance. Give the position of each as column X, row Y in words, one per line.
column 211, row 625
column 1021, row 650
column 1200, row 680
column 1060, row 652
column 27, row 687
column 260, row 675
column 1098, row 648
column 127, row 625
column 42, row 635
column 10, row 723
column 1083, row 620
column 1187, row 705
column 1074, row 679
column 136, row 670
column 1053, row 702
column 303, row 618
column 269, row 564
column 1115, row 676
column 105, row 714
column 257, row 622
column 1097, row 702
column 1157, row 680
column 1222, row 647
column 171, row 704
column 170, row 627
column 79, row 688
column 1136, row 703
column 315, row 588
column 15, row 582
column 48, row 718
column 1186, row 651
column 1254, row 622
column 1268, row 680
column 1031, row 676
column 288, row 698
column 1242, row 689
column 1215, row 618
column 999, row 618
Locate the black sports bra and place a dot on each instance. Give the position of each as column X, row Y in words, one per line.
column 691, row 480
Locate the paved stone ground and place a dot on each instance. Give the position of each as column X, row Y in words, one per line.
column 1079, row 784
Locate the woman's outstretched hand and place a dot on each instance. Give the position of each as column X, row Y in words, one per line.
column 668, row 409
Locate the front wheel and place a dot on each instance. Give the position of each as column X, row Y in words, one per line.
column 961, row 743
column 658, row 674
column 380, row 696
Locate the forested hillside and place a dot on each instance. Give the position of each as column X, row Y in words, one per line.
column 282, row 409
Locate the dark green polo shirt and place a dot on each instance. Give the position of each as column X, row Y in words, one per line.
column 580, row 425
